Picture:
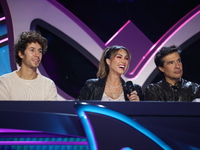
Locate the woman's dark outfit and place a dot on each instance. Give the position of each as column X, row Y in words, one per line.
column 94, row 89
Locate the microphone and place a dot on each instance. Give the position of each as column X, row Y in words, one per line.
column 129, row 87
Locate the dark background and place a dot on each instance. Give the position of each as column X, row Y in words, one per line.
column 152, row 17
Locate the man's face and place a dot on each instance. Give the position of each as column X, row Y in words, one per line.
column 172, row 67
column 32, row 56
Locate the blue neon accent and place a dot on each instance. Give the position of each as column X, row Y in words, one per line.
column 4, row 60
column 88, row 128
column 82, row 108
column 4, row 54
column 126, row 148
column 3, row 29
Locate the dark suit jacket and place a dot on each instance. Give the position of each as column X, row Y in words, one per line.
column 183, row 90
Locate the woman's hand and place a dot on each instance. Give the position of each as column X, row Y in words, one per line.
column 133, row 96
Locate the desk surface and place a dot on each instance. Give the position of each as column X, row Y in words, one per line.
column 127, row 108
column 177, row 123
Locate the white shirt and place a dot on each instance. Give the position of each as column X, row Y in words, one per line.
column 12, row 87
column 107, row 98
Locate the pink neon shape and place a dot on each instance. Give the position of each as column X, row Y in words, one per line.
column 2, row 18
column 117, row 32
column 4, row 40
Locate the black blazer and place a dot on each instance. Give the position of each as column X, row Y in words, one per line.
column 94, row 88
column 183, row 90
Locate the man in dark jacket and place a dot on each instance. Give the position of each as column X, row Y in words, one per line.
column 172, row 87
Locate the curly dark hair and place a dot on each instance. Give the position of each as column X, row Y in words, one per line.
column 26, row 38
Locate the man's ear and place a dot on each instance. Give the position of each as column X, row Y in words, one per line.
column 20, row 54
column 161, row 69
column 108, row 61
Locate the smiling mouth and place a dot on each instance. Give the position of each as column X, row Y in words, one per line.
column 36, row 60
column 122, row 67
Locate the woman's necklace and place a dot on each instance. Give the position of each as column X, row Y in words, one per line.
column 113, row 86
column 114, row 95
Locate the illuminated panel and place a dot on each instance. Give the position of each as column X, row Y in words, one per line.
column 3, row 40
column 3, row 29
column 4, row 60
column 23, row 139
column 82, row 108
column 4, row 49
column 40, row 143
column 2, row 18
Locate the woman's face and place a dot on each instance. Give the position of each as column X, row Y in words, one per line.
column 119, row 63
